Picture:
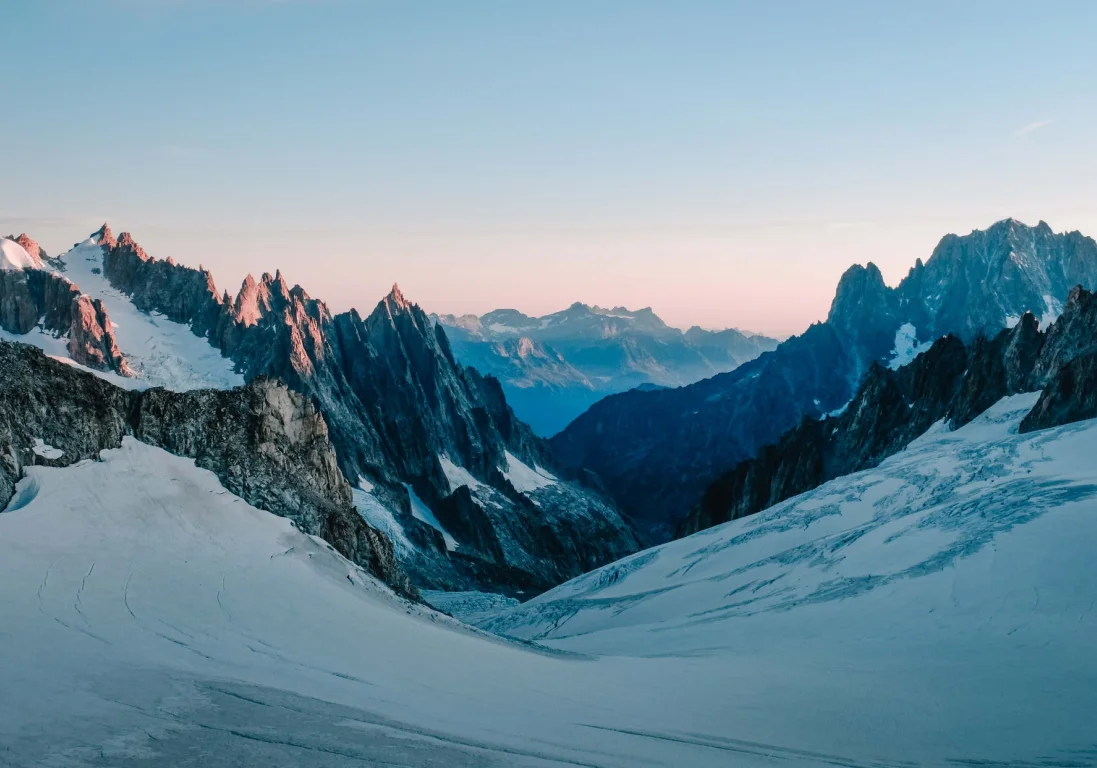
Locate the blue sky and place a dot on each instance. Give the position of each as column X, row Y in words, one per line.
column 722, row 162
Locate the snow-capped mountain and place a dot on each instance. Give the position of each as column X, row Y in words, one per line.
column 657, row 451
column 554, row 367
column 400, row 411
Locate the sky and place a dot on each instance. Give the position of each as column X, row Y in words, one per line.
column 722, row 162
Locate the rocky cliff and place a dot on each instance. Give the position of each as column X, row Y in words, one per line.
column 264, row 442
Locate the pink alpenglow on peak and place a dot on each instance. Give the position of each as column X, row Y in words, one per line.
column 14, row 257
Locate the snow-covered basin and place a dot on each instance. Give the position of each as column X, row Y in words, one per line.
column 149, row 615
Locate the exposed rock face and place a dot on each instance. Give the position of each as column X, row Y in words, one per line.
column 1001, row 366
column 658, row 450
column 31, row 247
column 103, row 236
column 184, row 295
column 265, row 443
column 1071, row 396
column 948, row 382
column 19, row 312
column 91, row 340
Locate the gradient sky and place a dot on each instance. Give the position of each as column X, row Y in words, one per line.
column 722, row 162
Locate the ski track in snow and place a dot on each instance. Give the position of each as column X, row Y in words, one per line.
column 936, row 610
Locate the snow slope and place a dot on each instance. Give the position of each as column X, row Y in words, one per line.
column 940, row 607
column 937, row 610
column 161, row 353
column 14, row 257
column 152, row 618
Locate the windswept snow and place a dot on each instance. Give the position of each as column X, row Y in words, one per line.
column 161, row 353
column 420, row 511
column 524, row 478
column 457, row 475
column 15, row 257
column 906, row 346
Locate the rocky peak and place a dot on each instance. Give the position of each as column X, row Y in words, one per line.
column 128, row 244
column 251, row 301
column 865, row 311
column 395, row 302
column 103, row 236
column 31, row 247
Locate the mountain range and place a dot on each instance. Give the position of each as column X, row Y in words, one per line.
column 223, row 518
column 554, row 367
column 657, row 451
column 467, row 495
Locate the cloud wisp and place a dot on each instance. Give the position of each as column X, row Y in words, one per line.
column 1032, row 127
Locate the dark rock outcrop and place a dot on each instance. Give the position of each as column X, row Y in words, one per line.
column 264, row 442
column 1070, row 396
column 657, row 451
column 948, row 382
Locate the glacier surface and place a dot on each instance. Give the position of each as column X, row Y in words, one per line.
column 936, row 610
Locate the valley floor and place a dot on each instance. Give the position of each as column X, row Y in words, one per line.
column 937, row 610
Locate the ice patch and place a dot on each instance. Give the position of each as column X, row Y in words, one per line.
column 1052, row 310
column 380, row 517
column 524, row 478
column 420, row 511
column 906, row 346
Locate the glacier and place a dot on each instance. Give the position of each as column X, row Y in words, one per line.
column 937, row 609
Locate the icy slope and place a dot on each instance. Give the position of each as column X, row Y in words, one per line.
column 950, row 593
column 162, row 353
column 152, row 618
